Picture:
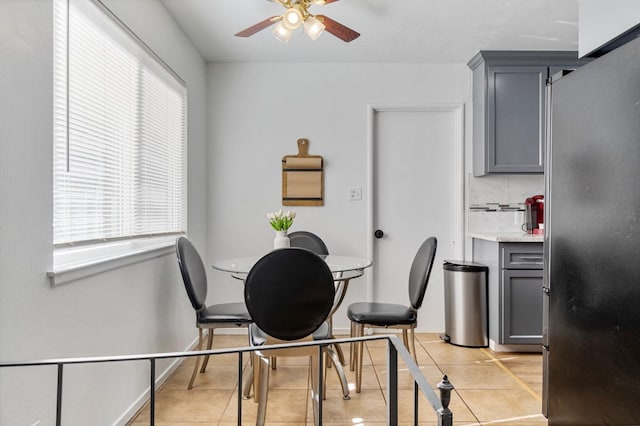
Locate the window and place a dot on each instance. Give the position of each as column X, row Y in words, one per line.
column 119, row 133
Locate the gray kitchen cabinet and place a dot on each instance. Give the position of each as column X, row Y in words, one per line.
column 521, row 307
column 509, row 108
column 515, row 290
column 516, row 118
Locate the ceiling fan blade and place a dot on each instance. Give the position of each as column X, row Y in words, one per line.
column 337, row 29
column 258, row 27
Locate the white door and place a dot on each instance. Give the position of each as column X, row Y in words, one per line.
column 417, row 193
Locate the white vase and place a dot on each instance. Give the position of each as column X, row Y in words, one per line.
column 281, row 240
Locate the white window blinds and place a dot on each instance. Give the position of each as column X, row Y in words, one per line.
column 120, row 132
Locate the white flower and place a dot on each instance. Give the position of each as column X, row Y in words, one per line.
column 281, row 221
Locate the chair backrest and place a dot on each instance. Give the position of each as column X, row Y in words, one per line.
column 308, row 240
column 193, row 273
column 420, row 271
column 289, row 293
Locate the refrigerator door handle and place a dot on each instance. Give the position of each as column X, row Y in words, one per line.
column 545, row 317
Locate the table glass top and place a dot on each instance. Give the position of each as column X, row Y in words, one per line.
column 242, row 265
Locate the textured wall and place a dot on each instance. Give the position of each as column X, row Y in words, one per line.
column 140, row 308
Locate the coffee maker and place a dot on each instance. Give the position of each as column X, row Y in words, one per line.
column 534, row 215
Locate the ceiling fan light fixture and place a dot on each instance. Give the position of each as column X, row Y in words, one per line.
column 313, row 27
column 282, row 33
column 292, row 18
column 297, row 14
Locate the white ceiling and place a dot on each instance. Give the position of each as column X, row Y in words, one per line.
column 418, row 31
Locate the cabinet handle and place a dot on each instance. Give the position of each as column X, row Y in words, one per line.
column 535, row 259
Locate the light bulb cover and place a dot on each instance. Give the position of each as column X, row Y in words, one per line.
column 292, row 18
column 282, row 33
column 313, row 27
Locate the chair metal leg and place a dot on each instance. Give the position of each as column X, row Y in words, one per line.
column 195, row 367
column 327, row 364
column 256, row 377
column 273, row 362
column 248, row 381
column 264, row 386
column 352, row 348
column 315, row 389
column 360, row 350
column 412, row 341
column 209, row 346
column 405, row 339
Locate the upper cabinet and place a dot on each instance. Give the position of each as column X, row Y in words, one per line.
column 509, row 108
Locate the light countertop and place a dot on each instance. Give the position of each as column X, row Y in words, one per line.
column 507, row 237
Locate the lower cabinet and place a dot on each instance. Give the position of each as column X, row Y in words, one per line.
column 515, row 290
column 521, row 306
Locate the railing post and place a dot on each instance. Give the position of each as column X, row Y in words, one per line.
column 392, row 384
column 415, row 403
column 320, row 373
column 152, row 392
column 240, row 382
column 445, row 416
column 59, row 397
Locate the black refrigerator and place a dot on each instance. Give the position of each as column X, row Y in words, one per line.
column 592, row 243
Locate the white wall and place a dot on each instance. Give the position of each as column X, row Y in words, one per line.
column 136, row 309
column 258, row 111
column 601, row 21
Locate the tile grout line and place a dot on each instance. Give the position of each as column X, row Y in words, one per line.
column 380, row 385
column 439, row 367
column 510, row 373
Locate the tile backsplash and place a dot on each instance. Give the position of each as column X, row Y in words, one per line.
column 496, row 202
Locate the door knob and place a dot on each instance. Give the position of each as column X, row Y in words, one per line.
column 378, row 234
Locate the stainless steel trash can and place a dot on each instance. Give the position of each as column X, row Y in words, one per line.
column 465, row 298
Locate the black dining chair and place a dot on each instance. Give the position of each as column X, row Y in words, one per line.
column 391, row 315
column 222, row 315
column 308, row 240
column 289, row 293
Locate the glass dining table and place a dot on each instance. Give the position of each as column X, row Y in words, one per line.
column 337, row 264
column 343, row 268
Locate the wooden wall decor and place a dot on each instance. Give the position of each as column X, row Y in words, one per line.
column 302, row 178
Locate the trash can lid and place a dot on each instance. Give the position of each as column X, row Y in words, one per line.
column 464, row 266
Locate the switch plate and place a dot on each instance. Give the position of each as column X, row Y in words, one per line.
column 355, row 194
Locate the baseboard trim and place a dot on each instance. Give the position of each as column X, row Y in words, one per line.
column 133, row 409
column 496, row 347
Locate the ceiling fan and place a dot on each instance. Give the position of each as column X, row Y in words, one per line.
column 297, row 14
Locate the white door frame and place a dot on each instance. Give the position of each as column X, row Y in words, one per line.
column 458, row 110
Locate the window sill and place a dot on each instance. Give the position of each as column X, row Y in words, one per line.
column 74, row 263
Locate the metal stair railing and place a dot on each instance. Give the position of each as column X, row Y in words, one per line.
column 395, row 347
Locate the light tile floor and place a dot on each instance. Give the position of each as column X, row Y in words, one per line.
column 490, row 389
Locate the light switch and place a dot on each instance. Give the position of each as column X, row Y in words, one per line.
column 355, row 194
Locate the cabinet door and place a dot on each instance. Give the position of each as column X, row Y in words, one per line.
column 521, row 292
column 515, row 119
